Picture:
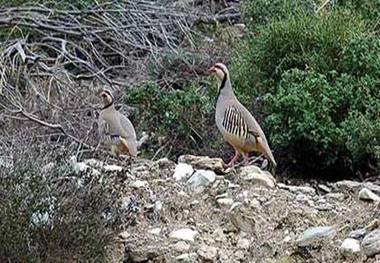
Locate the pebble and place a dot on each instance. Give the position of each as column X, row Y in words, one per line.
column 348, row 184
column 181, row 246
column 243, row 243
column 307, row 190
column 155, row 231
column 225, row 201
column 139, row 184
column 254, row 174
column 349, row 247
column 335, row 196
column 368, row 195
column 208, row 253
column 358, row 233
column 315, row 233
column 186, row 234
column 324, row 188
column 200, row 179
column 371, row 243
column 183, row 171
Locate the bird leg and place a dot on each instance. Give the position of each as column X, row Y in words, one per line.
column 246, row 158
column 233, row 160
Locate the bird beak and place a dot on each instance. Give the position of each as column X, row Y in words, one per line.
column 211, row 70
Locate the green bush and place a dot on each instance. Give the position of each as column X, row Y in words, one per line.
column 318, row 75
column 185, row 118
column 334, row 122
column 258, row 12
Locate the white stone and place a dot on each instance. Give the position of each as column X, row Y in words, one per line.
column 181, row 246
column 335, row 196
column 243, row 243
column 201, row 179
column 373, row 187
column 324, row 188
column 349, row 247
column 184, row 257
column 183, row 171
column 138, row 184
column 186, row 234
column 208, row 253
column 298, row 189
column 371, row 243
column 157, row 205
column 225, row 201
column 124, row 235
column 94, row 162
column 155, row 231
column 368, row 195
column 47, row 168
column 254, row 174
column 113, row 168
column 348, row 184
column 315, row 233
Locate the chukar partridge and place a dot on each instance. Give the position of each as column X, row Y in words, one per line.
column 116, row 129
column 235, row 122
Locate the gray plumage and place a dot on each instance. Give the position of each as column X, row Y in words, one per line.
column 116, row 130
column 235, row 122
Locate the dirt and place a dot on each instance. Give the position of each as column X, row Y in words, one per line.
column 263, row 226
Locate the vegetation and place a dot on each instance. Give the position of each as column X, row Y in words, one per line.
column 319, row 75
column 52, row 214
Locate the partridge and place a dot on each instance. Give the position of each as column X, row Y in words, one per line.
column 237, row 125
column 116, row 130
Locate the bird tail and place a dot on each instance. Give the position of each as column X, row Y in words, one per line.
column 267, row 152
column 132, row 148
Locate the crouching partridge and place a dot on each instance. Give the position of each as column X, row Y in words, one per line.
column 116, row 130
column 238, row 127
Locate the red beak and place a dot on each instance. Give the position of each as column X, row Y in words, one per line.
column 211, row 70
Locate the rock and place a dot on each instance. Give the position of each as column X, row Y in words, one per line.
column 347, row 184
column 138, row 184
column 186, row 234
column 203, row 162
column 181, row 246
column 183, row 171
column 112, row 168
column 371, row 243
column 47, row 168
column 208, row 253
column 124, row 235
column 358, row 234
column 186, row 257
column 225, row 201
column 373, row 187
column 368, row 195
column 143, row 253
column 243, row 243
column 350, row 247
column 200, row 179
column 254, row 174
column 6, row 162
column 307, row 190
column 155, row 231
column 313, row 234
column 324, row 188
column 335, row 196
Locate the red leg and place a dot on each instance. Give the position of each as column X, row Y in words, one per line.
column 246, row 158
column 233, row 160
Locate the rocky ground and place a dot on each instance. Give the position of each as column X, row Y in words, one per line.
column 194, row 212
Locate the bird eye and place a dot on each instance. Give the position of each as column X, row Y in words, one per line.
column 104, row 95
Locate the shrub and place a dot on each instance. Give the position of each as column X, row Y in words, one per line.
column 183, row 117
column 259, row 12
column 335, row 123
column 56, row 215
column 318, row 75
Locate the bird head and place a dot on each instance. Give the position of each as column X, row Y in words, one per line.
column 219, row 70
column 106, row 97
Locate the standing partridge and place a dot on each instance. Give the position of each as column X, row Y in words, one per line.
column 115, row 129
column 237, row 125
